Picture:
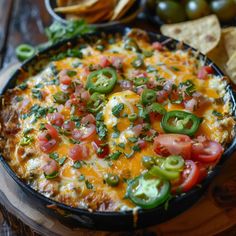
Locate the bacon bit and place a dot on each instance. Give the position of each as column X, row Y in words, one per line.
column 79, row 152
column 158, row 46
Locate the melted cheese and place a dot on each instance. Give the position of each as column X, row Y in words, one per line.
column 71, row 185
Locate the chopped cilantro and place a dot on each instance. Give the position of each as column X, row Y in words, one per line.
column 133, row 139
column 26, row 140
column 217, row 114
column 23, row 86
column 151, row 69
column 71, row 73
column 88, row 184
column 39, row 85
column 81, row 178
column 121, row 145
column 77, row 164
column 37, row 94
column 116, row 110
column 62, row 160
column 136, row 148
column 115, row 155
column 54, row 156
column 19, row 99
column 175, row 68
column 101, row 129
column 116, row 132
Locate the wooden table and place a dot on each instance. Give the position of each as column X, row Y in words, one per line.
column 23, row 21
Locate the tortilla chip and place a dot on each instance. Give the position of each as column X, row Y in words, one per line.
column 202, row 34
column 121, row 8
column 219, row 55
column 83, row 6
column 229, row 35
column 231, row 68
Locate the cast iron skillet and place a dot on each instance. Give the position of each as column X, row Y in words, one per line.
column 75, row 217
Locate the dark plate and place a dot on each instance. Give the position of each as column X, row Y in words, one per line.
column 75, row 217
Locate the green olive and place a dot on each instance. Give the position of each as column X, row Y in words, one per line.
column 170, row 11
column 112, row 179
column 148, row 162
column 196, row 9
column 224, row 9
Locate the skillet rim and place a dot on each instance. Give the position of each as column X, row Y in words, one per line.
column 230, row 148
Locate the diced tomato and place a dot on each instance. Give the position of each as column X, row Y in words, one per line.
column 202, row 171
column 162, row 96
column 68, row 126
column 104, row 61
column 87, row 132
column 189, row 177
column 79, row 152
column 142, row 144
column 101, row 149
column 204, row 72
column 64, row 78
column 88, row 119
column 52, row 131
column 207, row 152
column 56, row 118
column 173, row 144
column 157, row 46
column 47, row 146
column 50, row 166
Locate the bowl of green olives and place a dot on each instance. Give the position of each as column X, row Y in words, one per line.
column 174, row 11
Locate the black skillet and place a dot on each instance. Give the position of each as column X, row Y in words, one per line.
column 75, row 217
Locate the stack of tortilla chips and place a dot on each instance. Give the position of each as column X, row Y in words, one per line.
column 206, row 35
column 94, row 11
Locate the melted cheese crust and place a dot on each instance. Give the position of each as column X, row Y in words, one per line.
column 71, row 184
